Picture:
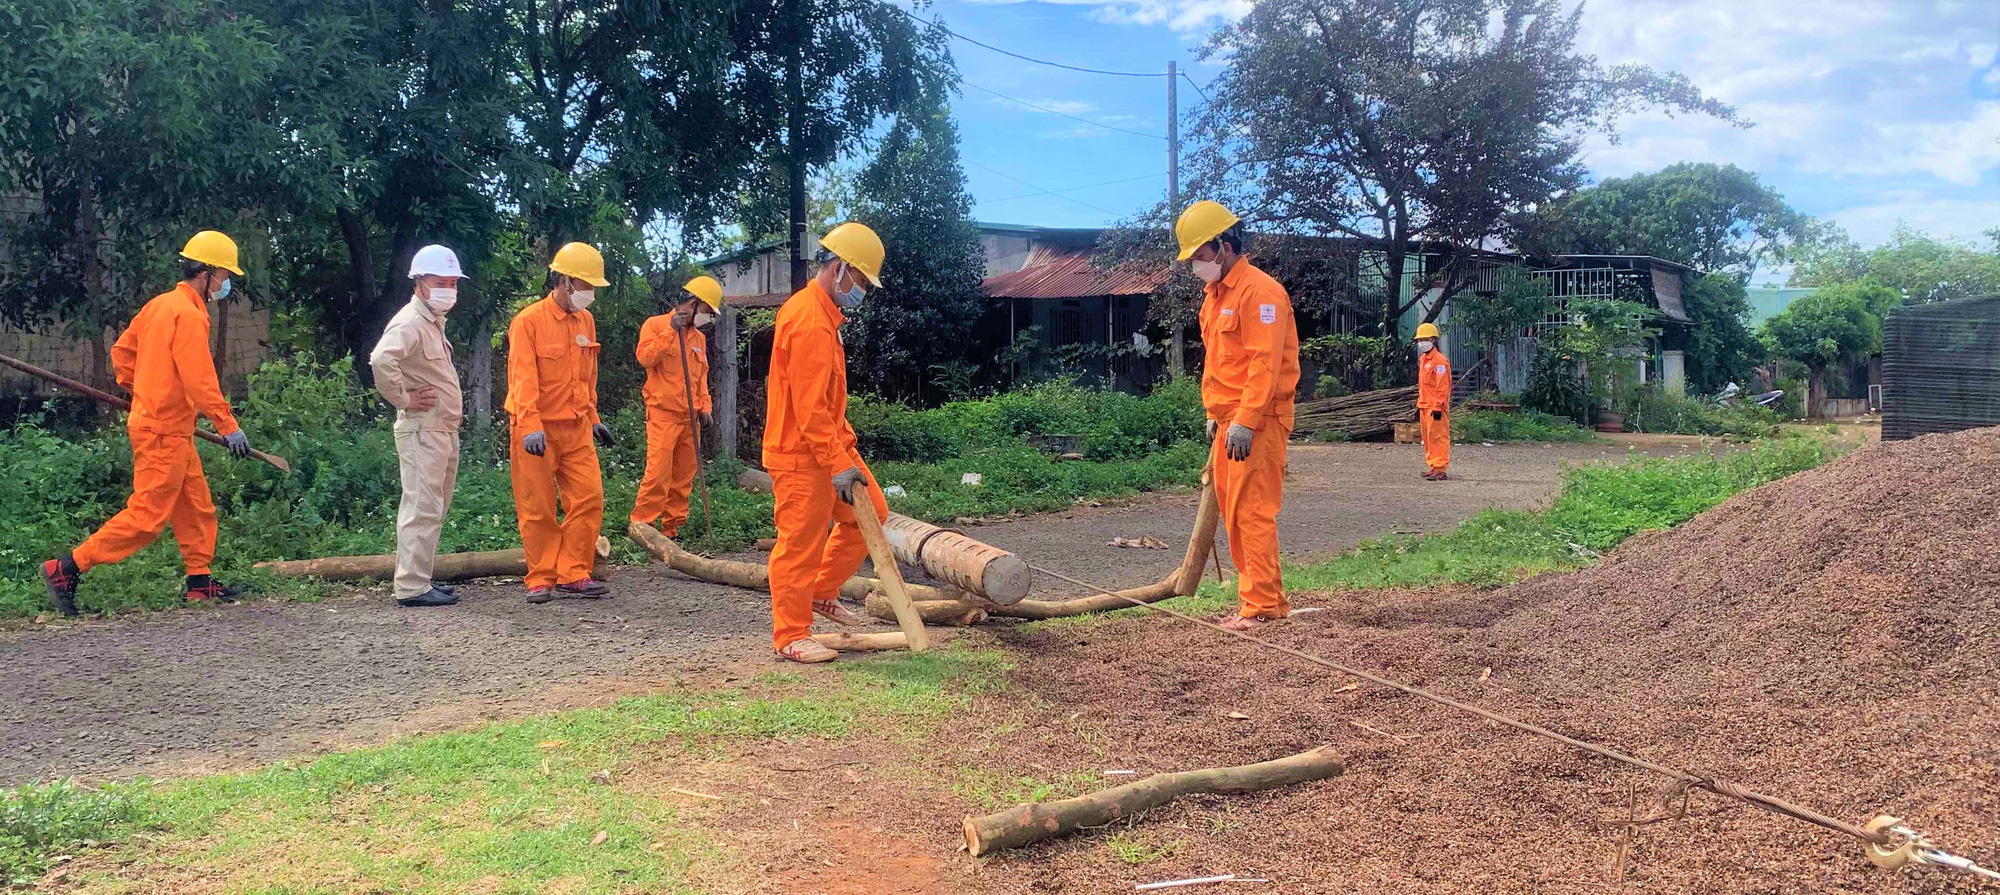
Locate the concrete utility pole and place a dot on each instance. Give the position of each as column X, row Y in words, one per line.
column 795, row 122
column 725, row 381
column 1177, row 345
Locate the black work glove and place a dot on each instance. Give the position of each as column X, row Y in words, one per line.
column 238, row 443
column 536, row 443
column 844, row 481
column 1437, row 414
column 602, row 433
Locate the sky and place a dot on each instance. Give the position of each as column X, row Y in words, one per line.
column 1865, row 112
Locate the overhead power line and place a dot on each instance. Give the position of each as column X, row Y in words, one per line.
column 1197, row 87
column 1034, row 187
column 939, row 24
column 1064, row 114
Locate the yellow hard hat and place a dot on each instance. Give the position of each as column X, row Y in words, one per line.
column 213, row 248
column 1427, row 331
column 706, row 289
column 1201, row 222
column 582, row 262
column 858, row 246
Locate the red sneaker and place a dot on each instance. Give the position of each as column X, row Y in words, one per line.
column 203, row 589
column 61, row 575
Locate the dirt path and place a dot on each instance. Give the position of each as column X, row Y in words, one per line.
column 183, row 691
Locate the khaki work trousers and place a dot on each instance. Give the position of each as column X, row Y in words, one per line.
column 429, row 460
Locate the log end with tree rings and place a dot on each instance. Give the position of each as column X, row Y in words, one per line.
column 1008, row 580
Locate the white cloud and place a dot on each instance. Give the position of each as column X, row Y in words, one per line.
column 1058, row 106
column 1967, row 219
column 1180, row 15
column 1080, row 132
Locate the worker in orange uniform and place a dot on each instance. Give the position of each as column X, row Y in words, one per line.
column 1248, row 379
column 552, row 400
column 1433, row 402
column 809, row 448
column 163, row 359
column 674, row 353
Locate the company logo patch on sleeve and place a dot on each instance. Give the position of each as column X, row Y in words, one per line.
column 1267, row 313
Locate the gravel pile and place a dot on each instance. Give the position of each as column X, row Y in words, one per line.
column 1830, row 639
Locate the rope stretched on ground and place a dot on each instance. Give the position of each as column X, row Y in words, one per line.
column 1719, row 787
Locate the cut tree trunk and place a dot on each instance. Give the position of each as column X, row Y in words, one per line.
column 750, row 575
column 949, row 613
column 1025, row 824
column 1043, row 609
column 449, row 567
column 1201, row 542
column 892, row 577
column 945, row 555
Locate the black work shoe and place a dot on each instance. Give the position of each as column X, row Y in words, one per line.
column 436, row 596
column 203, row 589
column 61, row 575
column 447, row 588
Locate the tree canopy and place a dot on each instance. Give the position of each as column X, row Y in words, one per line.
column 1415, row 127
column 1710, row 217
column 1916, row 266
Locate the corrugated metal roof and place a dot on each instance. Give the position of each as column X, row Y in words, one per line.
column 1068, row 273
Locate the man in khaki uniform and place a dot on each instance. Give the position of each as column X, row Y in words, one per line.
column 413, row 371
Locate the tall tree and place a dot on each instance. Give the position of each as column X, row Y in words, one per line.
column 913, row 195
column 1709, row 217
column 1419, row 127
column 818, row 77
column 1720, row 346
column 123, row 136
column 1835, row 325
column 1918, row 266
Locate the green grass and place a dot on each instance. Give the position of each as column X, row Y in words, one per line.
column 1517, row 427
column 517, row 806
column 1598, row 506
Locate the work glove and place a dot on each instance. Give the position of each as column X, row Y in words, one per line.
column 602, row 433
column 1211, row 430
column 1238, row 445
column 843, row 483
column 1437, row 414
column 535, row 443
column 707, row 420
column 239, row 443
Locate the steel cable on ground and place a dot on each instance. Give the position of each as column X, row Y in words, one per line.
column 1719, row 787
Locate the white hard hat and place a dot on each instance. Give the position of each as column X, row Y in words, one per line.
column 436, row 261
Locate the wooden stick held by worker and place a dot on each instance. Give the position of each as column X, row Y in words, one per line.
column 111, row 400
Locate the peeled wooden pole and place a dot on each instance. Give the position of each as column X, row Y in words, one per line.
column 890, row 575
column 1201, row 541
column 948, row 556
column 1043, row 609
column 949, row 613
column 862, row 643
column 750, row 575
column 1025, row 824
column 104, row 397
column 449, row 566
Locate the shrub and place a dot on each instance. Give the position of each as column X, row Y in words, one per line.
column 1554, row 387
column 1653, row 410
column 1523, row 426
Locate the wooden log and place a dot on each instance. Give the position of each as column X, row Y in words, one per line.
column 1201, row 542
column 891, row 576
column 862, row 643
column 949, row 613
column 1044, row 609
column 449, row 566
column 950, row 557
column 750, row 575
column 1025, row 824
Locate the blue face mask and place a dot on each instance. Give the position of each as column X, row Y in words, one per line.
column 852, row 297
column 223, row 293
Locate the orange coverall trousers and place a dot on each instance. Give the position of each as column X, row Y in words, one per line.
column 168, row 488
column 558, row 553
column 670, row 467
column 1437, row 440
column 819, row 545
column 1249, row 493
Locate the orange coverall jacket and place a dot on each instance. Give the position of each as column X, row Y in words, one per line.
column 660, row 353
column 805, row 419
column 1433, row 381
column 164, row 361
column 551, row 366
column 1252, row 368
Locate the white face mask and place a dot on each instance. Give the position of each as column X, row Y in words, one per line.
column 1208, row 271
column 582, row 298
column 442, row 298
column 703, row 319
column 1425, row 346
